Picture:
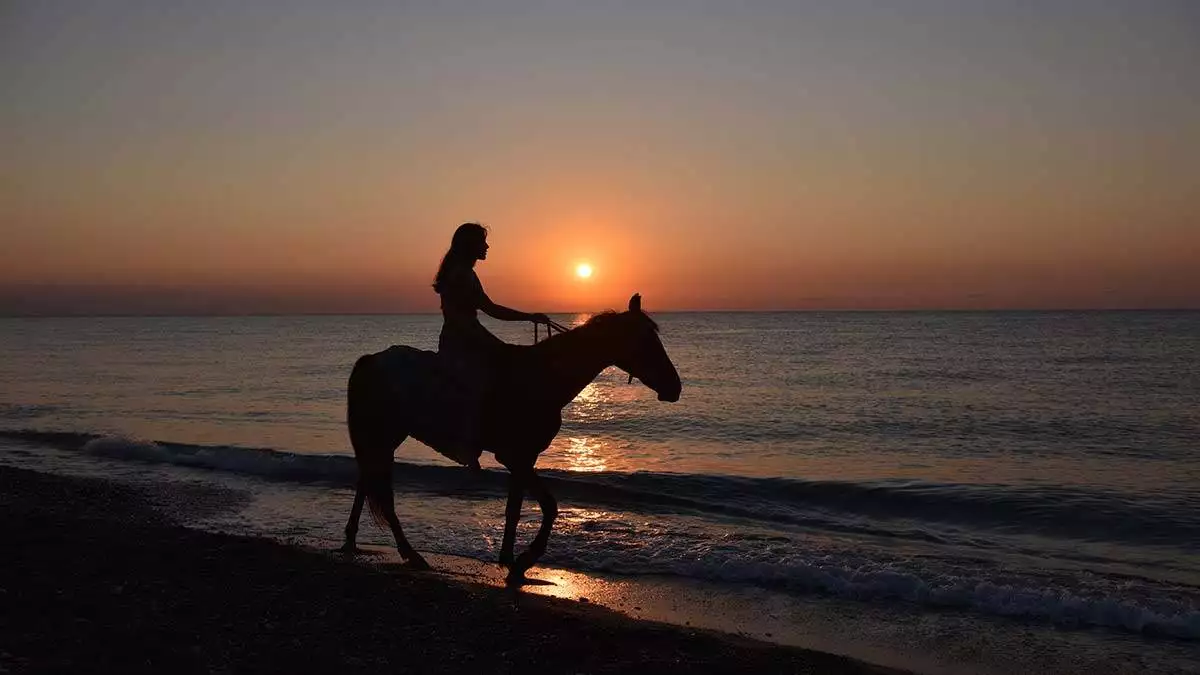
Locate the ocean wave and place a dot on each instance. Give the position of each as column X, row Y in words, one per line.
column 29, row 411
column 865, row 580
column 896, row 509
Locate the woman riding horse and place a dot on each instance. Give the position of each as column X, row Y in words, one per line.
column 469, row 349
column 397, row 393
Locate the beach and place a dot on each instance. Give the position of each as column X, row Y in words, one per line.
column 97, row 580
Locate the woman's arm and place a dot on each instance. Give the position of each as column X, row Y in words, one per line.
column 481, row 301
column 507, row 313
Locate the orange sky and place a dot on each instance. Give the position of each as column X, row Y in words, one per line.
column 233, row 159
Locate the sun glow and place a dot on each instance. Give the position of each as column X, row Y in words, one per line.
column 583, row 270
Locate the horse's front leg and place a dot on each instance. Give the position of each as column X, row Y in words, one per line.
column 549, row 507
column 512, row 514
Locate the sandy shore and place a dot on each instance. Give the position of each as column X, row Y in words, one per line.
column 93, row 579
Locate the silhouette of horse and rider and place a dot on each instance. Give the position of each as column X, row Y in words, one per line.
column 479, row 394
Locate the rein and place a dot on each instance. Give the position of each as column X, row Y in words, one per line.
column 550, row 328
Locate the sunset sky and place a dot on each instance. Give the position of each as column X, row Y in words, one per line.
column 316, row 156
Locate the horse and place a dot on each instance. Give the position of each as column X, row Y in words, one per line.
column 401, row 392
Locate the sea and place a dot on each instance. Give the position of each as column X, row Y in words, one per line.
column 974, row 492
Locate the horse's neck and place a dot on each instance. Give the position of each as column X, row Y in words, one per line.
column 574, row 359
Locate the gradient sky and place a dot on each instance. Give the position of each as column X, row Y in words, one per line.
column 316, row 156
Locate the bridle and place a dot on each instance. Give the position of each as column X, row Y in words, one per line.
column 551, row 326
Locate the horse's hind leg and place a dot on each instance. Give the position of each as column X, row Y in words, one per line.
column 410, row 555
column 377, row 483
column 375, row 434
column 352, row 525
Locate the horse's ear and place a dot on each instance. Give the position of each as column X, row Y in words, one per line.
column 635, row 303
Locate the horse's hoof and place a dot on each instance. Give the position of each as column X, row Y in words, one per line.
column 506, row 560
column 517, row 568
column 515, row 578
column 349, row 549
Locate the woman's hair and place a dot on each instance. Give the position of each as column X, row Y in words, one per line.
column 463, row 247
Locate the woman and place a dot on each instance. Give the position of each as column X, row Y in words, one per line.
column 469, row 348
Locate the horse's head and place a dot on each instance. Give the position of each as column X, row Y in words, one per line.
column 641, row 354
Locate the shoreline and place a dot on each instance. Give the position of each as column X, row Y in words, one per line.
column 97, row 580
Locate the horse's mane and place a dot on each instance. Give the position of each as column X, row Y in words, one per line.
column 611, row 314
column 597, row 320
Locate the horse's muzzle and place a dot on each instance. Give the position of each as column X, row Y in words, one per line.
column 670, row 395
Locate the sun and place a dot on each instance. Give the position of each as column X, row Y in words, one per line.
column 583, row 270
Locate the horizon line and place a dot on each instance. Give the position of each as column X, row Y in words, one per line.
column 823, row 310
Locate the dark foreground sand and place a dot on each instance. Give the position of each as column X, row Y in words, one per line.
column 92, row 579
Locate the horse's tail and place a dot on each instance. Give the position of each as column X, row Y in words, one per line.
column 366, row 421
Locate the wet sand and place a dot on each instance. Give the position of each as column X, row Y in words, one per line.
column 94, row 579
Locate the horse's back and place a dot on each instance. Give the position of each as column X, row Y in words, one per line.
column 414, row 389
column 401, row 361
column 409, row 375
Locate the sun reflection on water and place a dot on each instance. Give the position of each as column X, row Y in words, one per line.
column 591, row 404
column 590, row 395
column 581, row 454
